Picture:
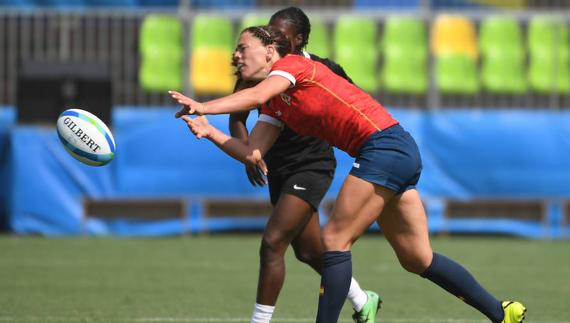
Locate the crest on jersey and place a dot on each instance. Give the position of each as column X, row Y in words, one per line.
column 286, row 98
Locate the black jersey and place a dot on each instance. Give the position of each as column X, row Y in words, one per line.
column 292, row 152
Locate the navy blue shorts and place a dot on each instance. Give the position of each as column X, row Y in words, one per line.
column 389, row 158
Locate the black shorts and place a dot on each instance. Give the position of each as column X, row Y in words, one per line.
column 310, row 186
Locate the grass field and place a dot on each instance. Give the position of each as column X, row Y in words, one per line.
column 213, row 279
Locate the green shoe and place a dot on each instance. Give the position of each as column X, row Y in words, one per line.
column 368, row 313
column 514, row 312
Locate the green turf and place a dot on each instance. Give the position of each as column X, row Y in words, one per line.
column 213, row 279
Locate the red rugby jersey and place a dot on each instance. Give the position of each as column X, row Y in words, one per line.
column 322, row 104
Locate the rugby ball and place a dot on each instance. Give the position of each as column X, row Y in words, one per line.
column 86, row 137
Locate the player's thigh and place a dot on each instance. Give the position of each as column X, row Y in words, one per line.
column 307, row 244
column 357, row 206
column 289, row 217
column 300, row 195
column 404, row 224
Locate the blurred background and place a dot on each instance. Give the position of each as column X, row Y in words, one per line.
column 483, row 85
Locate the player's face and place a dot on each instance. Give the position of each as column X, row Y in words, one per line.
column 289, row 31
column 252, row 58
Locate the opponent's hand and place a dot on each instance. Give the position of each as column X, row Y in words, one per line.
column 199, row 126
column 189, row 106
column 257, row 174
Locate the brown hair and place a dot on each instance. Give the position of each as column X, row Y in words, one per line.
column 270, row 35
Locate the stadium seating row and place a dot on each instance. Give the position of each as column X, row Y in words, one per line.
column 71, row 4
column 65, row 4
column 225, row 4
column 467, row 59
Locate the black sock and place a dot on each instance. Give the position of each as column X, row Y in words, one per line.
column 335, row 282
column 455, row 279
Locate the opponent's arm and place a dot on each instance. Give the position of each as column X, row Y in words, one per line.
column 244, row 100
column 238, row 120
column 237, row 125
column 262, row 137
column 238, row 129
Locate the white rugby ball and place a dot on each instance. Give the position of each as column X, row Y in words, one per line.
column 86, row 137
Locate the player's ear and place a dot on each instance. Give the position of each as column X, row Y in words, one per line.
column 270, row 52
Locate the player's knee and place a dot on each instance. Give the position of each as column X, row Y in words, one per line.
column 334, row 239
column 310, row 257
column 271, row 249
column 414, row 263
column 303, row 257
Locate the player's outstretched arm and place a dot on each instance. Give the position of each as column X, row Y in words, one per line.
column 263, row 136
column 240, row 101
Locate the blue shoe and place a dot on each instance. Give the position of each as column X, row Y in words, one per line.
column 368, row 313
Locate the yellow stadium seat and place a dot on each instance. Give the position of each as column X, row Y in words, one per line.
column 454, row 35
column 211, row 48
column 211, row 71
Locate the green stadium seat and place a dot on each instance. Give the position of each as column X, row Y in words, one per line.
column 405, row 76
column 250, row 20
column 503, row 56
column 404, row 31
column 504, row 74
column 212, row 31
column 404, row 49
column 549, row 55
column 499, row 31
column 212, row 45
column 319, row 43
column 456, row 74
column 161, row 52
column 356, row 50
column 161, row 71
column 355, row 30
column 160, row 29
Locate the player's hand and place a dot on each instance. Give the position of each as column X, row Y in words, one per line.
column 256, row 174
column 189, row 106
column 199, row 126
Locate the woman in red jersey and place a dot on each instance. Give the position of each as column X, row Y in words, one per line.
column 380, row 187
column 300, row 171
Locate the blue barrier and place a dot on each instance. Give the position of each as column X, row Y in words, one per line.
column 510, row 154
column 157, row 155
column 456, row 4
column 467, row 154
column 48, row 185
column 7, row 119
